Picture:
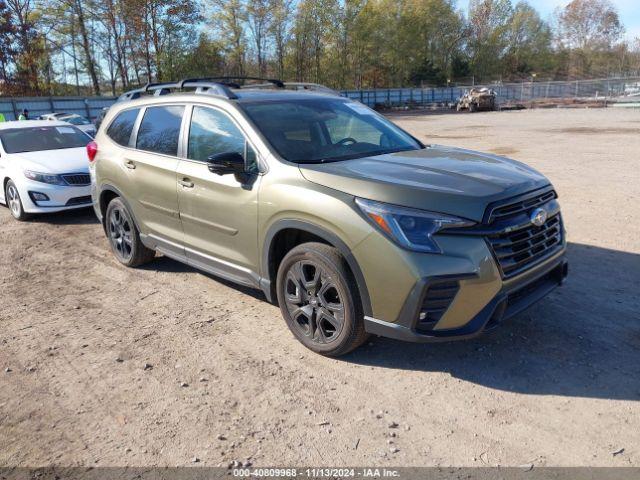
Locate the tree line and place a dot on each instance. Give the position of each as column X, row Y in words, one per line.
column 52, row 47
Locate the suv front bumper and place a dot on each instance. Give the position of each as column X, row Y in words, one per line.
column 515, row 296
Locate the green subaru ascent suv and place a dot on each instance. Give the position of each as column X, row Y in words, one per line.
column 349, row 223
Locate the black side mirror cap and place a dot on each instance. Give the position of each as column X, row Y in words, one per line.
column 226, row 163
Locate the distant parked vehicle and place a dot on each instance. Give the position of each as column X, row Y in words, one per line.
column 632, row 90
column 74, row 119
column 477, row 99
column 43, row 167
column 98, row 120
column 81, row 122
column 53, row 116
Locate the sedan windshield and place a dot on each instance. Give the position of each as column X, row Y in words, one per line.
column 34, row 139
column 317, row 130
column 75, row 120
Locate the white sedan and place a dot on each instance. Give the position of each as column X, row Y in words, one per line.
column 43, row 167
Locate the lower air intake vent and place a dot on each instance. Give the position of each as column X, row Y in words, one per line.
column 436, row 301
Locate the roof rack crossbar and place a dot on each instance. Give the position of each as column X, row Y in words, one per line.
column 273, row 81
column 201, row 85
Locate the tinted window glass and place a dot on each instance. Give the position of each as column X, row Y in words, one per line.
column 214, row 132
column 34, row 139
column 120, row 129
column 323, row 130
column 160, row 129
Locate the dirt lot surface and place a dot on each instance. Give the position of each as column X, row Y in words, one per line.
column 225, row 380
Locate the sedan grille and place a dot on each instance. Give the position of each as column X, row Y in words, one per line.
column 519, row 249
column 77, row 179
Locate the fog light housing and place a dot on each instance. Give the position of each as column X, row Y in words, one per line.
column 38, row 197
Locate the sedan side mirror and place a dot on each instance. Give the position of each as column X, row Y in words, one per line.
column 226, row 162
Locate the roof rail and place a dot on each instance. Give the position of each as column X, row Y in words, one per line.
column 316, row 87
column 220, row 86
column 202, row 85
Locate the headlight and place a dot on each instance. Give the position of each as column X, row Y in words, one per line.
column 410, row 228
column 44, row 177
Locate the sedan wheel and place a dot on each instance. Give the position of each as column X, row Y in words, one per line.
column 14, row 202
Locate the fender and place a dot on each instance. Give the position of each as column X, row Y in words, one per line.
column 110, row 188
column 268, row 285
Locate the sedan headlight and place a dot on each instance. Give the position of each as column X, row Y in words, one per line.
column 49, row 178
column 410, row 228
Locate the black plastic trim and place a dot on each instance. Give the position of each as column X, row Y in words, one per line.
column 111, row 188
column 268, row 284
column 496, row 311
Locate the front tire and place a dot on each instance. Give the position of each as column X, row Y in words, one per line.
column 124, row 237
column 14, row 202
column 319, row 300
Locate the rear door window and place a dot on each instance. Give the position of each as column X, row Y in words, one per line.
column 159, row 130
column 120, row 129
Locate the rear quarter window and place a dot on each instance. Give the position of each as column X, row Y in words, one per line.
column 120, row 129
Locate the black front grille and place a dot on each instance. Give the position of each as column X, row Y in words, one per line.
column 77, row 179
column 79, row 201
column 519, row 206
column 436, row 301
column 519, row 249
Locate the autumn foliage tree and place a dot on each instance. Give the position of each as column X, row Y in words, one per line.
column 99, row 46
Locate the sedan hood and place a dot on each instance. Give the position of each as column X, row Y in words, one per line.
column 65, row 160
column 436, row 178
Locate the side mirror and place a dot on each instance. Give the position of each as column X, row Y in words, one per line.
column 226, row 162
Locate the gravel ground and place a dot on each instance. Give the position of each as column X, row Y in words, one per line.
column 101, row 365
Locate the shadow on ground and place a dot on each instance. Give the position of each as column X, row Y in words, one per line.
column 166, row 264
column 82, row 216
column 583, row 340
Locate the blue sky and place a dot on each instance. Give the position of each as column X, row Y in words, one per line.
column 629, row 11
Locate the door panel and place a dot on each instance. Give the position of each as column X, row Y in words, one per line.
column 154, row 191
column 218, row 212
column 151, row 168
column 219, row 216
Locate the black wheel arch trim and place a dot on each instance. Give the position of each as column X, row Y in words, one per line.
column 112, row 189
column 268, row 284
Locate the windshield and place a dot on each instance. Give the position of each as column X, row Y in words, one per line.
column 319, row 130
column 76, row 120
column 34, row 139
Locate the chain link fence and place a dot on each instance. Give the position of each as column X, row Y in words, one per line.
column 88, row 107
column 523, row 92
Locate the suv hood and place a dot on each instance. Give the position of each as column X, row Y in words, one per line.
column 64, row 160
column 437, row 178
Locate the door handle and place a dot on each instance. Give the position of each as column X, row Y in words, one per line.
column 130, row 164
column 185, row 182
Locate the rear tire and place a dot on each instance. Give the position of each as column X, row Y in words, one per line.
column 319, row 300
column 124, row 237
column 14, row 202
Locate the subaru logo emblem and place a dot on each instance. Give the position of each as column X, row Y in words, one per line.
column 538, row 217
